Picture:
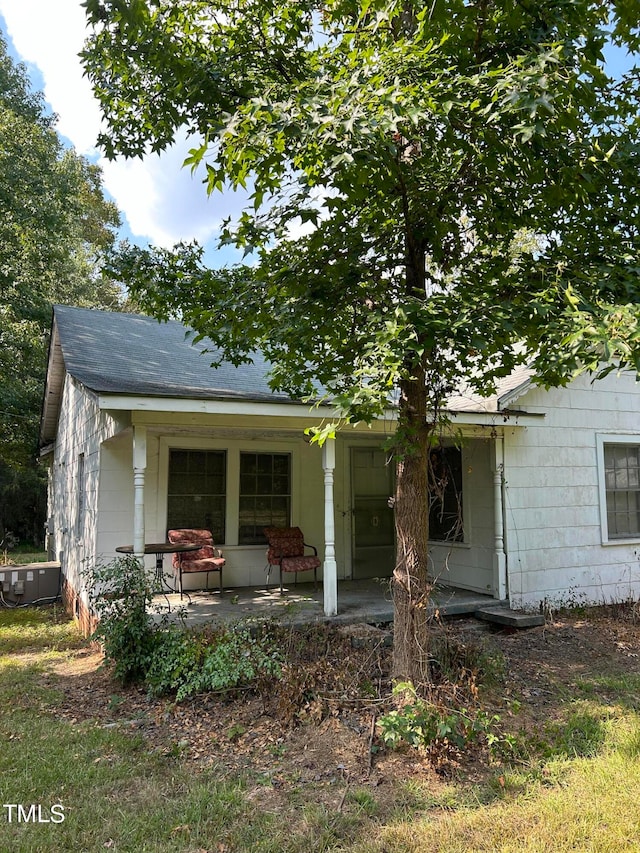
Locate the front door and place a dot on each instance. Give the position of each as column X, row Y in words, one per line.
column 373, row 524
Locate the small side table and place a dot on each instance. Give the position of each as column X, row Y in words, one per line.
column 160, row 549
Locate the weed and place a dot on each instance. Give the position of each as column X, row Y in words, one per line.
column 425, row 725
column 581, row 735
column 457, row 661
column 167, row 658
column 187, row 663
column 114, row 702
column 235, row 731
column 364, row 799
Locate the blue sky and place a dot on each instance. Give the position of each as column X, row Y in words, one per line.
column 161, row 203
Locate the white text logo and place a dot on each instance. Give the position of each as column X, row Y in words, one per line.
column 17, row 813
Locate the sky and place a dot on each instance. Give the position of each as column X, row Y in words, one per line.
column 160, row 202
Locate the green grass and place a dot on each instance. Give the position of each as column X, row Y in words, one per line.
column 22, row 555
column 33, row 628
column 571, row 783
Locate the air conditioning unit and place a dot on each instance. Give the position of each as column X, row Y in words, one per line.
column 26, row 584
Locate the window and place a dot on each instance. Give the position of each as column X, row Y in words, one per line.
column 81, row 490
column 265, row 495
column 622, row 489
column 445, row 494
column 197, row 491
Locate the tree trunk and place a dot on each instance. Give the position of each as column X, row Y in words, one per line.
column 411, row 588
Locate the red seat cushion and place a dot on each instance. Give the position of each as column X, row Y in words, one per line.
column 286, row 549
column 202, row 560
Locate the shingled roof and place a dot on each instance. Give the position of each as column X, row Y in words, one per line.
column 116, row 353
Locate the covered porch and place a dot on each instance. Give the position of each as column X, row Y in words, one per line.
column 338, row 494
column 361, row 601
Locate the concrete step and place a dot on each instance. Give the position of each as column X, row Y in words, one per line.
column 501, row 615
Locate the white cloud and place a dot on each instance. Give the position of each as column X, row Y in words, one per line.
column 161, row 201
column 50, row 35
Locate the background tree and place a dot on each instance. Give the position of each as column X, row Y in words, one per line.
column 441, row 191
column 54, row 226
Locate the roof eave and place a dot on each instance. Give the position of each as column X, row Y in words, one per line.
column 509, row 397
column 208, row 405
column 514, row 417
column 52, row 397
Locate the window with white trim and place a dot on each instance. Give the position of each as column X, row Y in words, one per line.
column 197, row 491
column 622, row 489
column 265, row 495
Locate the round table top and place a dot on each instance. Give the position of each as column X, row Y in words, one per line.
column 162, row 548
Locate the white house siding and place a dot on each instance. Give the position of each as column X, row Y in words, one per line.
column 469, row 564
column 75, row 465
column 553, row 530
column 116, row 495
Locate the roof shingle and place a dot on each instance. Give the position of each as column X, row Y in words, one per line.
column 117, row 353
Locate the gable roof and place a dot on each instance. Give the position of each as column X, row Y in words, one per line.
column 508, row 389
column 115, row 353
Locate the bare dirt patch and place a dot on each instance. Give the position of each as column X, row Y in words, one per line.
column 331, row 741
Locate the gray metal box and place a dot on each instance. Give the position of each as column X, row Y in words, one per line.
column 37, row 581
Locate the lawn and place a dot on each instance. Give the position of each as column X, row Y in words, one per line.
column 306, row 769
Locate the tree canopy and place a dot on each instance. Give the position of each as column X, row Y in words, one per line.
column 55, row 224
column 440, row 191
column 483, row 137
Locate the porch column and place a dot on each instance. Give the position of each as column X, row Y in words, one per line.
column 499, row 556
column 329, row 567
column 139, row 466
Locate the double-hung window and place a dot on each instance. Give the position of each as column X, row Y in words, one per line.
column 265, row 495
column 622, row 489
column 197, row 491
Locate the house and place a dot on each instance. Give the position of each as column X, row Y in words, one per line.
column 140, row 433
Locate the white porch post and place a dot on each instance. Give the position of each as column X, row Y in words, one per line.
column 329, row 567
column 139, row 466
column 499, row 556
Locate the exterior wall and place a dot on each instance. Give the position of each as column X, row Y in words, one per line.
column 553, row 501
column 115, row 499
column 469, row 564
column 245, row 564
column 74, row 475
column 557, row 552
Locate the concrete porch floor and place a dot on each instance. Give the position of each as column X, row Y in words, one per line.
column 358, row 601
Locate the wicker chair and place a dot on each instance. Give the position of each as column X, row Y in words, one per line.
column 286, row 550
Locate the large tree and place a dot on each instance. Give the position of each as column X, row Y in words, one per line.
column 440, row 191
column 54, row 224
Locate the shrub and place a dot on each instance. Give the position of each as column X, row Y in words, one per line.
column 186, row 663
column 120, row 593
column 168, row 658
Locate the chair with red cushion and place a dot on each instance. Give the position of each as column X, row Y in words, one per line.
column 206, row 559
column 286, row 550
